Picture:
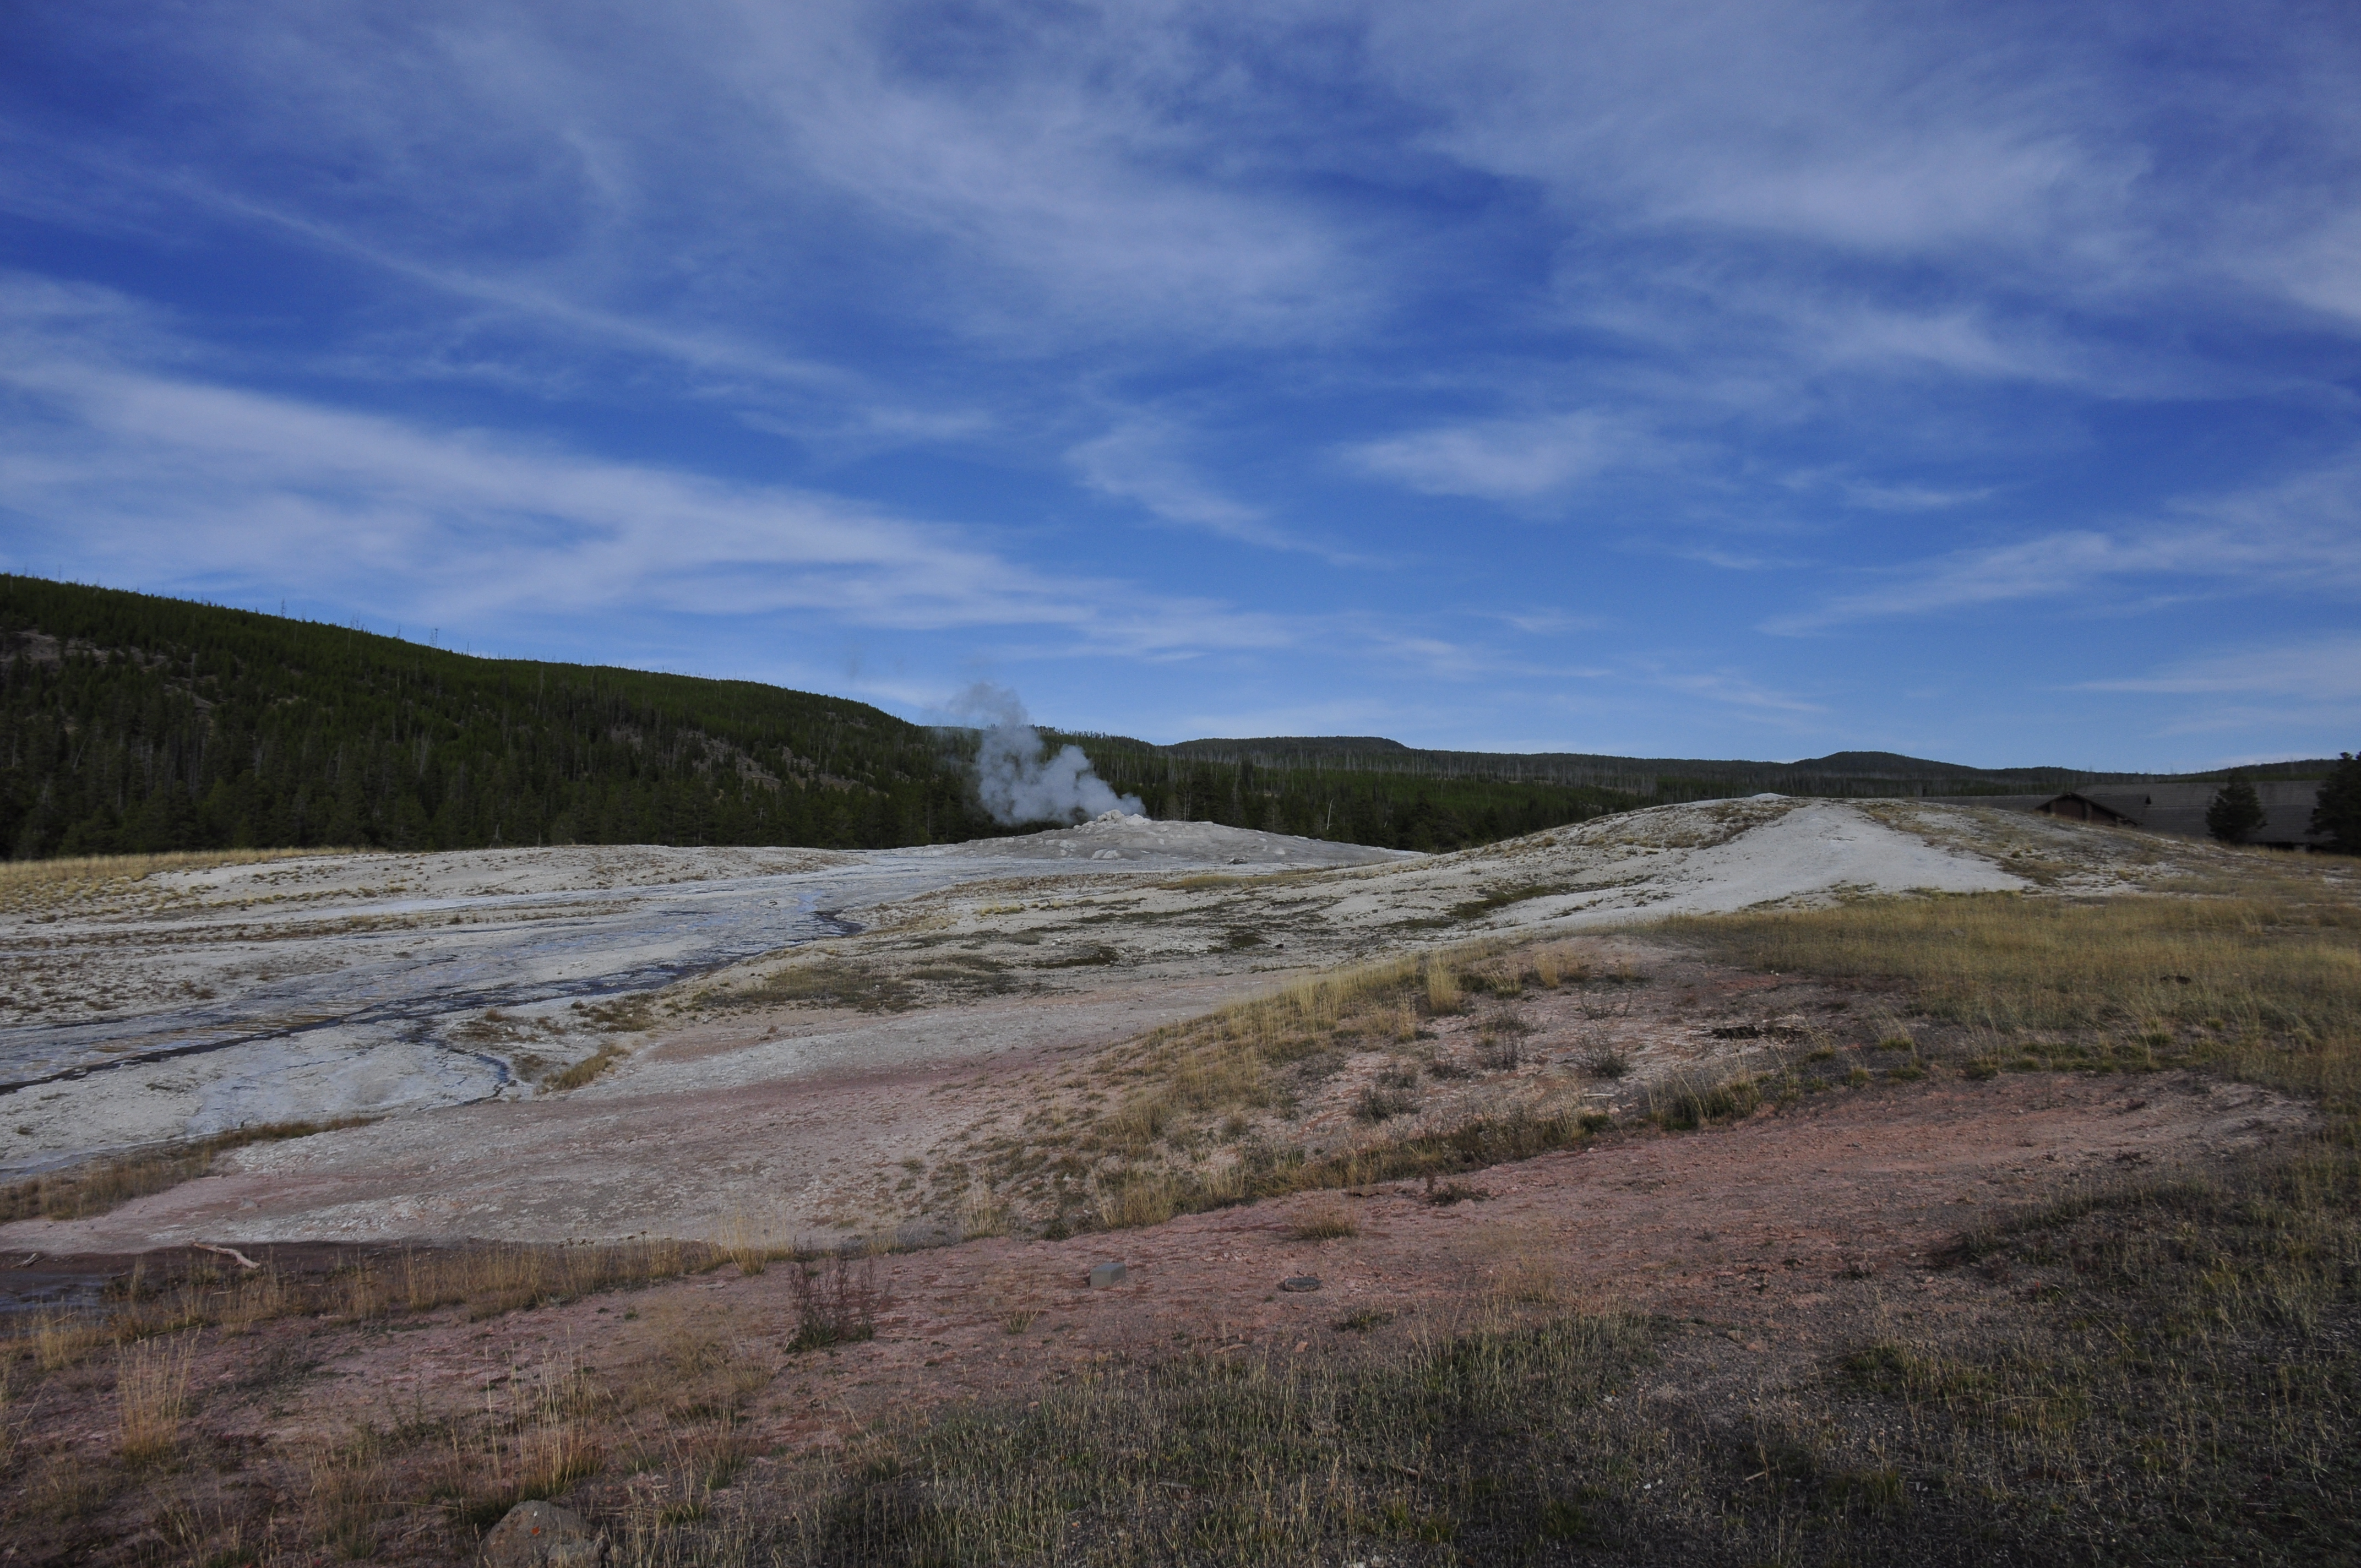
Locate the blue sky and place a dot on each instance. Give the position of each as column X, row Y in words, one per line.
column 1748, row 379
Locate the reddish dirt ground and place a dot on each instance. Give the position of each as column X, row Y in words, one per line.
column 1774, row 1242
column 1769, row 1228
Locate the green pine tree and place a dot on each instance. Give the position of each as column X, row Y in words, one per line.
column 2236, row 811
column 2338, row 813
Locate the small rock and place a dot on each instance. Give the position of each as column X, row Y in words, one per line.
column 1300, row 1282
column 543, row 1535
column 1107, row 1274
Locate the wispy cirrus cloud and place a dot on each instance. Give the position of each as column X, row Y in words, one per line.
column 2323, row 668
column 2309, row 684
column 193, row 482
column 1505, row 460
column 1138, row 461
column 2302, row 535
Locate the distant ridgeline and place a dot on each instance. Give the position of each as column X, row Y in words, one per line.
column 1368, row 790
column 135, row 723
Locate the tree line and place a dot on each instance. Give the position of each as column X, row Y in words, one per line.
column 137, row 723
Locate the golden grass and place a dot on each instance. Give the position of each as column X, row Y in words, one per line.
column 1442, row 986
column 347, row 1492
column 587, row 1070
column 984, row 1213
column 2265, row 984
column 1225, row 1061
column 62, row 1339
column 1182, row 1138
column 1323, row 1219
column 151, row 1390
column 29, row 879
column 485, row 1280
column 100, row 1186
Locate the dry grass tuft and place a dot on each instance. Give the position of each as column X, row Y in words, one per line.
column 62, row 1339
column 348, row 1492
column 983, row 1213
column 1442, row 987
column 752, row 1255
column 151, row 1391
column 1323, row 1219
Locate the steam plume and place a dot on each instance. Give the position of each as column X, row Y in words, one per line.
column 1017, row 782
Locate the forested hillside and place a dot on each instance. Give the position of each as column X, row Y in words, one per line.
column 1404, row 809
column 130, row 722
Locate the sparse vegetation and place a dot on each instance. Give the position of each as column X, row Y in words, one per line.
column 151, row 1395
column 836, row 1301
column 2264, row 984
column 34, row 882
column 102, row 1185
column 1323, row 1219
column 584, row 1071
column 819, row 983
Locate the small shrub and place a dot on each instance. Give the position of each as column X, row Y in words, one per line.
column 1500, row 1052
column 1683, row 1105
column 835, row 1301
column 1605, row 1061
column 1379, row 1103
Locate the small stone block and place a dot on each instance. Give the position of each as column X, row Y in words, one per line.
column 543, row 1535
column 1300, row 1282
column 1107, row 1274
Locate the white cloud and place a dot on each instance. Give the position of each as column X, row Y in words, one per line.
column 2301, row 534
column 2323, row 669
column 1137, row 461
column 1907, row 498
column 176, row 479
column 1504, row 460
